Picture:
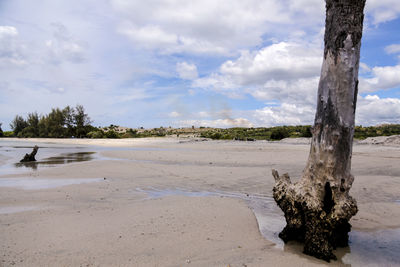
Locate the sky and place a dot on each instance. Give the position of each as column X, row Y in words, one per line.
column 217, row 63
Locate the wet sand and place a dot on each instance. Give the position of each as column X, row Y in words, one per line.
column 170, row 202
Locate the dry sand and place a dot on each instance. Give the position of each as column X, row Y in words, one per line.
column 117, row 221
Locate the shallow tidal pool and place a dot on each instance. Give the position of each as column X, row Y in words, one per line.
column 377, row 248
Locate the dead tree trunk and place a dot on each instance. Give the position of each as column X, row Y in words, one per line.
column 318, row 207
column 31, row 156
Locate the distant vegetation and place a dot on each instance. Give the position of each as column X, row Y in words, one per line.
column 74, row 122
column 59, row 123
column 280, row 132
column 242, row 134
column 71, row 122
column 361, row 132
column 251, row 134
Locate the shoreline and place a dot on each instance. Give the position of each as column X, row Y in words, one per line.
column 87, row 220
column 94, row 142
column 393, row 140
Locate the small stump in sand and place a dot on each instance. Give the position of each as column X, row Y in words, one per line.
column 31, row 156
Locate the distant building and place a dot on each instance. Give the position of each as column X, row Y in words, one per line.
column 115, row 128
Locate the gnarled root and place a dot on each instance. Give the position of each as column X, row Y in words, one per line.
column 321, row 223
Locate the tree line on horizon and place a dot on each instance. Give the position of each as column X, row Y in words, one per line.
column 59, row 123
column 75, row 122
column 281, row 132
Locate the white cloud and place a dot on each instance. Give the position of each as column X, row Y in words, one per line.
column 283, row 71
column 154, row 37
column 64, row 47
column 174, row 114
column 308, row 7
column 285, row 114
column 383, row 78
column 130, row 94
column 364, row 68
column 281, row 61
column 300, row 92
column 382, row 10
column 180, row 26
column 11, row 48
column 149, row 36
column 186, row 71
column 8, row 31
column 132, row 42
column 217, row 82
column 373, row 110
column 203, row 114
column 388, row 77
column 286, row 73
column 184, row 26
column 392, row 49
column 219, row 123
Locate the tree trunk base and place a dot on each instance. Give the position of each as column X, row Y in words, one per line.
column 320, row 223
column 318, row 208
column 31, row 156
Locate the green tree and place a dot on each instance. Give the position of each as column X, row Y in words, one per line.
column 32, row 130
column 55, row 123
column 69, row 116
column 82, row 121
column 306, row 131
column 111, row 134
column 95, row 134
column 58, row 123
column 18, row 124
column 279, row 133
column 1, row 131
column 43, row 126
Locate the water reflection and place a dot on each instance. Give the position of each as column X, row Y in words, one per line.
column 29, row 183
column 49, row 154
column 378, row 248
column 63, row 158
column 10, row 210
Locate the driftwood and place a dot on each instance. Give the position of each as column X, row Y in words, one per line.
column 318, row 208
column 31, row 156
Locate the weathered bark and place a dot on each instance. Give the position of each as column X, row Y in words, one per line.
column 318, row 207
column 31, row 156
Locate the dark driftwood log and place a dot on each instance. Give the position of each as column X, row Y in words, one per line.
column 31, row 156
column 318, row 208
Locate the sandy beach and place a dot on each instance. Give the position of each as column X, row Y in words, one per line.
column 178, row 202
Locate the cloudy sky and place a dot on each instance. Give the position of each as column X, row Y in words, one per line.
column 179, row 63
